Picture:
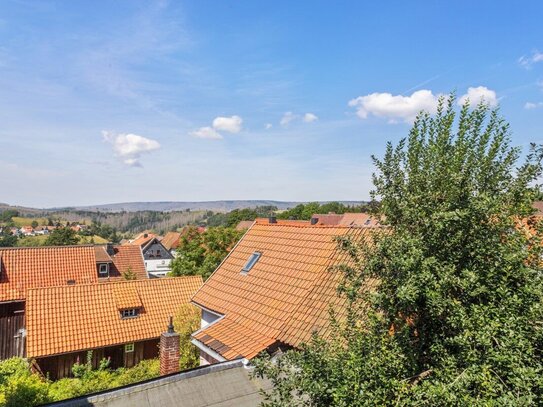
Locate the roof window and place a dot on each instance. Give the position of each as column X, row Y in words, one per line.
column 253, row 258
column 129, row 313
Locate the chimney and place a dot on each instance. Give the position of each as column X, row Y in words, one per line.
column 109, row 249
column 169, row 351
column 314, row 221
column 272, row 219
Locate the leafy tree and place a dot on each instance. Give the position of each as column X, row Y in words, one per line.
column 305, row 211
column 63, row 236
column 186, row 321
column 7, row 239
column 201, row 253
column 129, row 274
column 456, row 319
column 34, row 224
column 8, row 214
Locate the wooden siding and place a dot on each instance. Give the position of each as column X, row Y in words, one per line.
column 12, row 320
column 59, row 366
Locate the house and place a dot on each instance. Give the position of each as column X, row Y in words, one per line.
column 346, row 219
column 41, row 230
column 273, row 290
column 25, row 268
column 27, row 231
column 170, row 241
column 121, row 321
column 156, row 257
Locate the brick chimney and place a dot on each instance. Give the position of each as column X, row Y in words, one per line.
column 169, row 351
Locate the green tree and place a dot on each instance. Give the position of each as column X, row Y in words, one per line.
column 201, row 253
column 7, row 239
column 62, row 236
column 186, row 321
column 456, row 319
column 34, row 224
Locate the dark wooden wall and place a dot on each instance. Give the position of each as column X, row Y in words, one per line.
column 12, row 320
column 57, row 367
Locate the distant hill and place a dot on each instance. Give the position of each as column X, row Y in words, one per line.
column 215, row 206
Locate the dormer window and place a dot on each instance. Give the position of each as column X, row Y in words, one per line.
column 129, row 313
column 103, row 270
column 253, row 258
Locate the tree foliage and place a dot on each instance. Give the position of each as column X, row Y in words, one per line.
column 232, row 218
column 63, row 236
column 457, row 317
column 20, row 387
column 186, row 321
column 199, row 253
column 305, row 211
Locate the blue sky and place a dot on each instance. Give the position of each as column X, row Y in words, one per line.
column 118, row 101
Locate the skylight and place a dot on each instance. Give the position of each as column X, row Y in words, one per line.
column 253, row 258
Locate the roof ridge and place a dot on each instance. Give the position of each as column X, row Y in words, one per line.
column 112, row 283
column 46, row 247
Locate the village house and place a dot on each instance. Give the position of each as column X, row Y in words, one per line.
column 170, row 241
column 25, row 268
column 272, row 291
column 156, row 257
column 26, row 231
column 120, row 321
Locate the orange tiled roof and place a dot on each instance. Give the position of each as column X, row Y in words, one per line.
column 171, row 240
column 346, row 219
column 86, row 316
column 125, row 258
column 28, row 267
column 142, row 239
column 283, row 298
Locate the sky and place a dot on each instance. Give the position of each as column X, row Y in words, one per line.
column 127, row 100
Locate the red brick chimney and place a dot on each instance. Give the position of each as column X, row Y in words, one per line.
column 169, row 351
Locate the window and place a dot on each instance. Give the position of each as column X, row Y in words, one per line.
column 103, row 270
column 253, row 258
column 129, row 347
column 129, row 313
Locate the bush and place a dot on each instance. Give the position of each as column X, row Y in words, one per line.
column 19, row 386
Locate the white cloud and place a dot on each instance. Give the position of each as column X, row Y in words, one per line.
column 268, row 126
column 530, row 105
column 395, row 107
column 230, row 124
column 478, row 94
column 528, row 61
column 287, row 118
column 206, row 133
column 310, row 117
column 130, row 147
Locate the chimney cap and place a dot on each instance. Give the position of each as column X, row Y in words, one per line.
column 170, row 326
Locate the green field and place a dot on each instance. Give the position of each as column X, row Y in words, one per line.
column 19, row 221
column 29, row 241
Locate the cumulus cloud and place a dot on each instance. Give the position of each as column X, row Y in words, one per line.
column 530, row 105
column 310, row 117
column 206, row 133
column 477, row 95
column 394, row 107
column 268, row 126
column 130, row 147
column 229, row 124
column 528, row 61
column 287, row 118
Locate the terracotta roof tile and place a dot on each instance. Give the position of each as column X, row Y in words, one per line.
column 127, row 258
column 29, row 267
column 86, row 316
column 284, row 297
column 171, row 240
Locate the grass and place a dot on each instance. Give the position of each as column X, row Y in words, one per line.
column 20, row 221
column 29, row 241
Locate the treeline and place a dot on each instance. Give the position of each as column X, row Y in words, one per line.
column 305, row 211
column 232, row 218
column 134, row 222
